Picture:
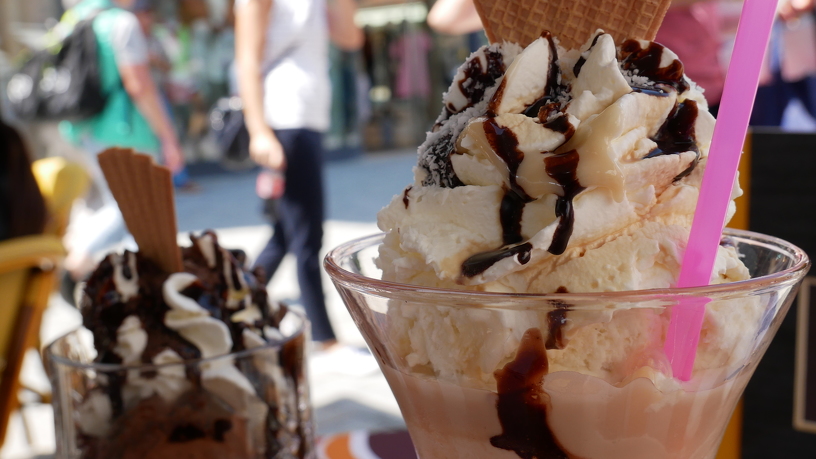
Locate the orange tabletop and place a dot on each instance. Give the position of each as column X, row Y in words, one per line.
column 362, row 444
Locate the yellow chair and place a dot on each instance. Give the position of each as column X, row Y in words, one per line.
column 60, row 182
column 29, row 273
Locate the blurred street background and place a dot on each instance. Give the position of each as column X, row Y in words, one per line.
column 385, row 97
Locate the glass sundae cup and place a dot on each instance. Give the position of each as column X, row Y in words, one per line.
column 565, row 375
column 187, row 409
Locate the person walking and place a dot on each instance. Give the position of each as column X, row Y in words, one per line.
column 283, row 77
column 789, row 69
column 454, row 17
column 133, row 117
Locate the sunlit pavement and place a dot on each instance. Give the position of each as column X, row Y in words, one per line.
column 356, row 190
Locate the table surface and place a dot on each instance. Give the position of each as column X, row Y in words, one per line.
column 362, row 444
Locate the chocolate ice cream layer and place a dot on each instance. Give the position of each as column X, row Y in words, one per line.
column 196, row 426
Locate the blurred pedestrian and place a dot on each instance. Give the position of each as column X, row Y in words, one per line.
column 158, row 59
column 134, row 116
column 283, row 76
column 789, row 70
column 160, row 67
column 454, row 17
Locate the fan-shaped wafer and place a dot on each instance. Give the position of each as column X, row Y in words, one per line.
column 571, row 21
column 144, row 192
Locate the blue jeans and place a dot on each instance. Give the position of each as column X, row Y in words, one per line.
column 773, row 99
column 299, row 223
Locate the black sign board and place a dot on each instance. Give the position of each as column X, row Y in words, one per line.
column 804, row 411
column 782, row 203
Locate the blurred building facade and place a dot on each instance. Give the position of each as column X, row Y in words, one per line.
column 384, row 97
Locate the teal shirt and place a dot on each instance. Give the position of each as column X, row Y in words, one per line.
column 120, row 123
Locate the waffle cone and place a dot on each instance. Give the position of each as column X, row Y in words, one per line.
column 169, row 255
column 573, row 22
column 144, row 192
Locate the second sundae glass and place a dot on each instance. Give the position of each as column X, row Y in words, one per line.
column 587, row 377
column 189, row 414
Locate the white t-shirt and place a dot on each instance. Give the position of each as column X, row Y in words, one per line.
column 295, row 65
column 128, row 41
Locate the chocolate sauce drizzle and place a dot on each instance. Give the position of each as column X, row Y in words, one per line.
column 477, row 79
column 481, row 262
column 511, row 212
column 505, row 143
column 564, row 169
column 550, row 116
column 561, row 124
column 522, row 404
column 646, row 62
column 556, row 319
column 576, row 69
column 534, row 110
column 211, row 291
column 554, row 74
column 103, row 312
column 656, row 92
column 186, row 432
column 405, row 196
column 676, row 135
column 561, row 167
column 552, row 88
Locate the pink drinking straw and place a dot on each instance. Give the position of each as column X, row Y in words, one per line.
column 738, row 96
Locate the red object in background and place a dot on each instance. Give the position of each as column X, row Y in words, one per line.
column 270, row 184
column 694, row 33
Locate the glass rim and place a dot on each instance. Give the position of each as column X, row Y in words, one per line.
column 114, row 367
column 414, row 293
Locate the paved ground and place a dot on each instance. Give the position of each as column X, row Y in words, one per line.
column 356, row 190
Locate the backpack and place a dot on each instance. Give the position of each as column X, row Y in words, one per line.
column 61, row 85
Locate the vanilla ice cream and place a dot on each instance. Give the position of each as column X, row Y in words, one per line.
column 560, row 171
column 556, row 154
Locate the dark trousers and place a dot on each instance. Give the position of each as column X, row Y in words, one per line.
column 773, row 99
column 299, row 224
